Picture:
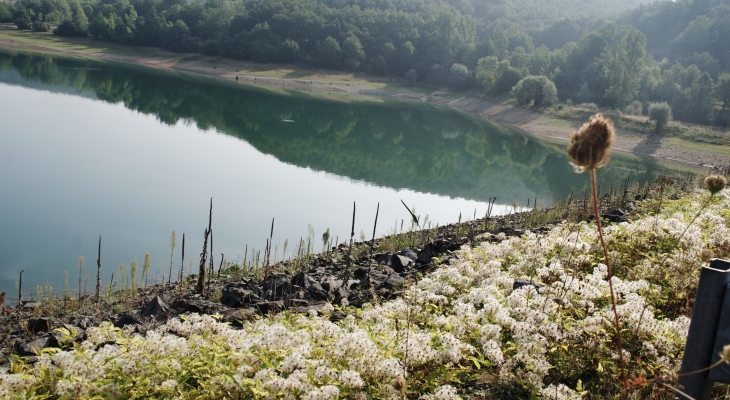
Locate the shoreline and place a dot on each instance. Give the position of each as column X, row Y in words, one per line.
column 358, row 84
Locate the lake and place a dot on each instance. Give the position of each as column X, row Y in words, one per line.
column 131, row 153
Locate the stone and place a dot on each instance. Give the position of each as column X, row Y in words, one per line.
column 384, row 259
column 424, row 257
column 521, row 282
column 337, row 316
column 409, row 253
column 310, row 285
column 330, row 284
column 124, row 320
column 235, row 295
column 239, row 316
column 266, row 307
column 376, row 278
column 616, row 216
column 34, row 346
column 339, row 294
column 296, row 303
column 277, row 283
column 85, row 322
column 157, row 309
column 393, row 282
column 400, row 263
column 37, row 325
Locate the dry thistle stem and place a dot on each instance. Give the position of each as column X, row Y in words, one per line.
column 715, row 183
column 590, row 146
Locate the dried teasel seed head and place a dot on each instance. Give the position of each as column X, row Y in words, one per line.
column 399, row 383
column 590, row 146
column 725, row 353
column 715, row 183
column 706, row 255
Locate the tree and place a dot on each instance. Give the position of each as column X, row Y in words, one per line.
column 21, row 18
column 329, row 53
column 459, row 76
column 411, row 76
column 538, row 88
column 722, row 89
column 352, row 52
column 623, row 67
column 660, row 113
column 702, row 99
column 485, row 71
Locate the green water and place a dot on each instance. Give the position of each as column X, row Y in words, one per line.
column 131, row 153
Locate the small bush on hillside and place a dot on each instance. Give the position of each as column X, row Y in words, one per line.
column 660, row 113
column 635, row 108
column 538, row 88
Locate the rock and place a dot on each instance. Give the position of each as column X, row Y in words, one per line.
column 393, row 282
column 36, row 325
column 337, row 316
column 424, row 257
column 199, row 306
column 235, row 295
column 409, row 253
column 311, row 306
column 124, row 320
column 376, row 278
column 339, row 294
column 351, row 283
column 157, row 309
column 295, row 303
column 278, row 284
column 33, row 347
column 616, row 216
column 360, row 273
column 266, row 307
column 30, row 304
column 237, row 317
column 85, row 322
column 310, row 285
column 330, row 284
column 384, row 259
column 400, row 263
column 521, row 282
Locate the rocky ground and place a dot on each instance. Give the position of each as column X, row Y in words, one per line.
column 323, row 280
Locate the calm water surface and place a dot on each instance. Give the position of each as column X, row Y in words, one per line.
column 93, row 148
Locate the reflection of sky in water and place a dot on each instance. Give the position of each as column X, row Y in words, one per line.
column 72, row 168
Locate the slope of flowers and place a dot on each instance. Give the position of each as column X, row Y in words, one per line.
column 456, row 330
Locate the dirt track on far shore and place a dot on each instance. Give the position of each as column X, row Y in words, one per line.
column 342, row 83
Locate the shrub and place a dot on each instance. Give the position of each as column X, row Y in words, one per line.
column 661, row 113
column 459, row 76
column 538, row 88
column 411, row 76
column 588, row 106
column 635, row 108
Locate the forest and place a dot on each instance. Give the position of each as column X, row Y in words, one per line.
column 622, row 55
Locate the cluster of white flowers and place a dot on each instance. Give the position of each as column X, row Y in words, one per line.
column 463, row 313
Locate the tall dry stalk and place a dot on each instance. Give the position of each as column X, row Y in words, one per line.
column 589, row 149
column 81, row 266
column 173, row 243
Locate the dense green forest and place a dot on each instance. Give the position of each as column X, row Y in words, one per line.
column 570, row 51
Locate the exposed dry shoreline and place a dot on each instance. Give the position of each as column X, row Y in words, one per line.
column 321, row 81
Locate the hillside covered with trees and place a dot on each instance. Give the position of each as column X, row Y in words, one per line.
column 571, row 51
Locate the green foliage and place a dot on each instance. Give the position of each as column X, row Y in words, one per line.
column 538, row 88
column 660, row 113
column 329, row 53
column 722, row 90
column 411, row 76
column 459, row 76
